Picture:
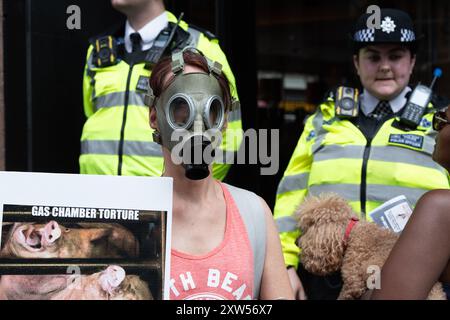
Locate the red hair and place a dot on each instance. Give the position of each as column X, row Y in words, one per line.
column 192, row 58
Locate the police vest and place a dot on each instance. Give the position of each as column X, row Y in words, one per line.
column 116, row 137
column 333, row 155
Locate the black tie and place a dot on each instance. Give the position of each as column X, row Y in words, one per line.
column 135, row 42
column 382, row 110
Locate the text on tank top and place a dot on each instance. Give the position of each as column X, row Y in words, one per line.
column 225, row 273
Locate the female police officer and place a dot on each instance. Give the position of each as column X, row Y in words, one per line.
column 363, row 147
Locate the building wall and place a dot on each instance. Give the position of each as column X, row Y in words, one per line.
column 2, row 100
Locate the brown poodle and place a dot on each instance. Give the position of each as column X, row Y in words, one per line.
column 333, row 239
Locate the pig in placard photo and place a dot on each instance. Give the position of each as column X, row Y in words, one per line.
column 126, row 253
column 54, row 252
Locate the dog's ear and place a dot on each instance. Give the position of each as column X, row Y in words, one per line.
column 326, row 208
column 322, row 248
column 322, row 221
column 305, row 213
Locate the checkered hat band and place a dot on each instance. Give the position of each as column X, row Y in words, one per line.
column 365, row 35
column 368, row 35
column 407, row 35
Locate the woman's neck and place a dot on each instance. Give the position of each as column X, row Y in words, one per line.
column 185, row 189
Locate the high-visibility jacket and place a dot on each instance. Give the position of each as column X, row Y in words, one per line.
column 333, row 155
column 117, row 138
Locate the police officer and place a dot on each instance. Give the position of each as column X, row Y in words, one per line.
column 358, row 146
column 116, row 138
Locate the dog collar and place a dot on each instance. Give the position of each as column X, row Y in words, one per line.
column 349, row 228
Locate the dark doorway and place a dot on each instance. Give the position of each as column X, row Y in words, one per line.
column 44, row 63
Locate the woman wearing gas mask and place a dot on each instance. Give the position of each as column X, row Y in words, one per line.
column 220, row 234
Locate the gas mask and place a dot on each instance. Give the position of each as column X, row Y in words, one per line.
column 190, row 115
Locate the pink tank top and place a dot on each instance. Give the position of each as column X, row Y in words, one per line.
column 225, row 273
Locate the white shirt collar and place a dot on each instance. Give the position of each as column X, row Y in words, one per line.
column 369, row 102
column 148, row 32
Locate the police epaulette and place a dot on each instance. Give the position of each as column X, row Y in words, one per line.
column 207, row 33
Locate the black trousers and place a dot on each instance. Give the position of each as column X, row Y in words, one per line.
column 320, row 287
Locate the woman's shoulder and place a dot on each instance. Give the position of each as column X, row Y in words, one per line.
column 237, row 192
column 241, row 195
column 438, row 197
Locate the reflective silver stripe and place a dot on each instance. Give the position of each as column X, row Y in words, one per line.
column 403, row 155
column 194, row 36
column 90, row 60
column 234, row 115
column 91, row 73
column 130, row 148
column 375, row 192
column 378, row 153
column 330, row 152
column 350, row 192
column 116, row 99
column 286, row 224
column 294, row 182
column 318, row 120
column 429, row 143
column 382, row 193
column 318, row 123
column 142, row 148
column 431, row 135
column 319, row 130
column 99, row 147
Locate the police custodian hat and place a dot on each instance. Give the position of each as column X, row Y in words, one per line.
column 396, row 26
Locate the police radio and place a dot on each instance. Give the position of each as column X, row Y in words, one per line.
column 347, row 102
column 418, row 102
column 105, row 51
column 160, row 44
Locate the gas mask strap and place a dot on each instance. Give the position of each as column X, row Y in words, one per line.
column 214, row 67
column 149, row 97
column 235, row 104
column 178, row 62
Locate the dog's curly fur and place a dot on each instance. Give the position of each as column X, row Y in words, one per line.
column 323, row 221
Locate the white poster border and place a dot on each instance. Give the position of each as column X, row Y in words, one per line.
column 91, row 191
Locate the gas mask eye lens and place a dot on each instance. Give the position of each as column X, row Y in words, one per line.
column 215, row 113
column 179, row 112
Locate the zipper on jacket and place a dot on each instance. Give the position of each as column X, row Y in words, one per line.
column 363, row 191
column 124, row 121
column 366, row 155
